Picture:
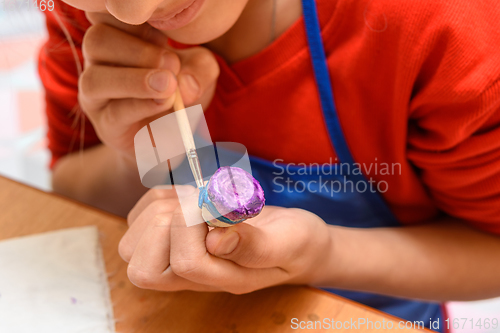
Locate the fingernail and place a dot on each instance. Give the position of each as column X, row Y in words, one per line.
column 228, row 243
column 184, row 190
column 189, row 83
column 159, row 81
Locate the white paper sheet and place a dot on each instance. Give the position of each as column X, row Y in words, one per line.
column 54, row 282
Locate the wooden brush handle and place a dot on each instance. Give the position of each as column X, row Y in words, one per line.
column 187, row 139
column 178, row 102
column 183, row 121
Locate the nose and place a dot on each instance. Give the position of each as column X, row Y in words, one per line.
column 133, row 12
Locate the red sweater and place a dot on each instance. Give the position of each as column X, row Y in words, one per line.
column 415, row 83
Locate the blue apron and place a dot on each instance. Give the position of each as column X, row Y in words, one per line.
column 349, row 202
column 334, row 192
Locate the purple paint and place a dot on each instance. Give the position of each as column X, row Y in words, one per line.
column 73, row 300
column 235, row 193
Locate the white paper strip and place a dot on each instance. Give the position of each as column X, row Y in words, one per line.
column 54, row 282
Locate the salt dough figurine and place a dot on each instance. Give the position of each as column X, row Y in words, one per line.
column 231, row 196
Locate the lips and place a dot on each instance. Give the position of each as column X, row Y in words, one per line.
column 178, row 17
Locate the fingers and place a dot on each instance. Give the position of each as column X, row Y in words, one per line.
column 167, row 255
column 126, row 112
column 198, row 74
column 261, row 245
column 156, row 202
column 143, row 31
column 247, row 246
column 152, row 252
column 102, row 83
column 159, row 208
column 155, row 194
column 146, row 245
column 148, row 267
column 166, row 281
column 189, row 259
column 104, row 44
column 152, row 195
column 119, row 64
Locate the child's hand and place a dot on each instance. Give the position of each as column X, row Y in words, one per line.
column 279, row 246
column 129, row 79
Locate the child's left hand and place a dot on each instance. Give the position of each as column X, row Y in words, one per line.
column 280, row 246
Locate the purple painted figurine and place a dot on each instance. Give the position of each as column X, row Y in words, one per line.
column 235, row 194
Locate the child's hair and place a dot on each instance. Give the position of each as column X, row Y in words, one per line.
column 61, row 16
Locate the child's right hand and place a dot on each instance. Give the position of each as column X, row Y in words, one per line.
column 130, row 77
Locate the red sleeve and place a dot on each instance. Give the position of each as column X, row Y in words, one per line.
column 68, row 128
column 454, row 126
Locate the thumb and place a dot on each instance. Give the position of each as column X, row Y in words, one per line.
column 246, row 245
column 198, row 75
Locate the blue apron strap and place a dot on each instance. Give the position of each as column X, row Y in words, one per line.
column 322, row 76
column 321, row 73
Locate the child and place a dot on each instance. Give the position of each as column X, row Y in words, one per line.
column 413, row 125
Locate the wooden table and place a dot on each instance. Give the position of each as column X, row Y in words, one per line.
column 25, row 211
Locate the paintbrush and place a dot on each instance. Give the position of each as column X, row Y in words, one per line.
column 232, row 194
column 188, row 139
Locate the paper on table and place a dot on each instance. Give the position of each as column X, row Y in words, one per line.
column 54, row 282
